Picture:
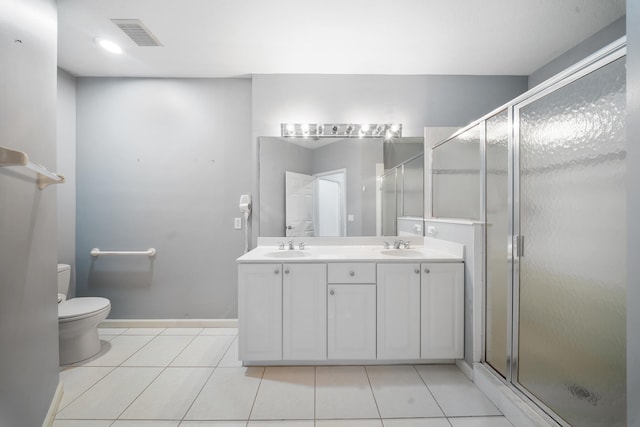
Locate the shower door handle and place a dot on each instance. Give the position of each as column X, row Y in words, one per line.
column 519, row 244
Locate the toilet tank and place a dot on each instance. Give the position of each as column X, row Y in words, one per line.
column 64, row 277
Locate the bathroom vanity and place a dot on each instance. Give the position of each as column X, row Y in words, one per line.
column 331, row 304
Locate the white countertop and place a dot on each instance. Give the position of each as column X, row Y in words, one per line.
column 346, row 253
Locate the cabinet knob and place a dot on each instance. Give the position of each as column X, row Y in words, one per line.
column 426, row 270
column 331, row 292
column 276, row 271
column 417, row 271
column 352, row 273
column 286, row 271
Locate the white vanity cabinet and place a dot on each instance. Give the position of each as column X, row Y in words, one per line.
column 351, row 311
column 260, row 311
column 304, row 312
column 398, row 292
column 442, row 310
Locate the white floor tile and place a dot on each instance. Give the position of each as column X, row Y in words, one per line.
column 416, row 422
column 110, row 396
column 286, row 423
column 219, row 331
column 148, row 423
column 170, row 395
column 480, row 422
column 455, row 393
column 203, row 351
column 79, row 379
column 230, row 359
column 400, row 393
column 228, row 395
column 213, row 424
column 285, row 393
column 160, row 351
column 143, row 331
column 348, row 423
column 344, row 392
column 82, row 423
column 117, row 350
column 181, row 331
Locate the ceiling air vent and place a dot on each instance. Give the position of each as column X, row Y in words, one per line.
column 137, row 31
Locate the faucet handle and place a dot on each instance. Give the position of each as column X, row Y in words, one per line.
column 301, row 245
column 407, row 244
column 386, row 245
column 281, row 246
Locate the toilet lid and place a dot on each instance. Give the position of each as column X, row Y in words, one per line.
column 83, row 306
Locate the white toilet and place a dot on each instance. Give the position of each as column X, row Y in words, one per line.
column 78, row 320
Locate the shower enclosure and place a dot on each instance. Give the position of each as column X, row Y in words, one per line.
column 553, row 199
column 402, row 191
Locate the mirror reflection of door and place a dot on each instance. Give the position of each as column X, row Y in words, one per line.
column 299, row 204
column 331, row 209
column 315, row 205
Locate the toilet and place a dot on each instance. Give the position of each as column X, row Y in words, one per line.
column 78, row 320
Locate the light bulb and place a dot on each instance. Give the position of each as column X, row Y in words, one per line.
column 364, row 128
column 394, row 128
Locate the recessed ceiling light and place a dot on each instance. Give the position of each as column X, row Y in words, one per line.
column 110, row 46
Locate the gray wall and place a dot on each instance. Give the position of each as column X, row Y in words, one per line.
column 608, row 34
column 633, row 227
column 66, row 152
column 162, row 163
column 28, row 306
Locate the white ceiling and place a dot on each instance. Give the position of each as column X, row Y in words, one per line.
column 221, row 38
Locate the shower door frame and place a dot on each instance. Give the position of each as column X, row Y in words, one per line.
column 586, row 67
column 601, row 58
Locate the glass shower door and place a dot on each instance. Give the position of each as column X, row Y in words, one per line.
column 572, row 259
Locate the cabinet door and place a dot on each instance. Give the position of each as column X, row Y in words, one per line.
column 304, row 312
column 398, row 311
column 260, row 311
column 442, row 311
column 351, row 321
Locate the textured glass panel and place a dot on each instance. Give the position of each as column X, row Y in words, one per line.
column 456, row 177
column 572, row 275
column 497, row 216
column 413, row 187
column 389, row 203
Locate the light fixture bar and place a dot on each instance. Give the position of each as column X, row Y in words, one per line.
column 341, row 130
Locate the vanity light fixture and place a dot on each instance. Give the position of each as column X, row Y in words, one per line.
column 341, row 130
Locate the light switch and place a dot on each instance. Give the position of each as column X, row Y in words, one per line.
column 350, row 218
column 237, row 223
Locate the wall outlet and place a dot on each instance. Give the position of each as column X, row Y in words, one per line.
column 431, row 229
column 237, row 223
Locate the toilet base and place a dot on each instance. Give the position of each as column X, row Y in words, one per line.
column 78, row 339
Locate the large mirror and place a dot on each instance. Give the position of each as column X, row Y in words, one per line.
column 336, row 186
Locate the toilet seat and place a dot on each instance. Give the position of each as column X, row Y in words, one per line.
column 81, row 308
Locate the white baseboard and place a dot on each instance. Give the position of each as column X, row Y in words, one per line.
column 53, row 408
column 465, row 368
column 169, row 323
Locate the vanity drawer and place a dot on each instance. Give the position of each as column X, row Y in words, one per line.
column 345, row 272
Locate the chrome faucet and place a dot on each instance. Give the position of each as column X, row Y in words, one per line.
column 397, row 244
column 290, row 245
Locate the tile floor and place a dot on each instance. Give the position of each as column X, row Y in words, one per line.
column 192, row 377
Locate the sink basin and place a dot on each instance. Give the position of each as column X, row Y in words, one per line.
column 407, row 253
column 287, row 254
